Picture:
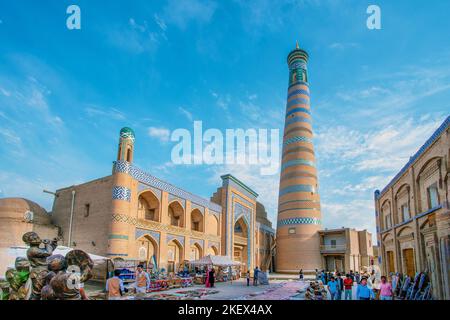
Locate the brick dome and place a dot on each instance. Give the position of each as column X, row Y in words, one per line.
column 23, row 209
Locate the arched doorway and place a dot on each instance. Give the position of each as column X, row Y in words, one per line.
column 176, row 214
column 147, row 251
column 241, row 243
column 213, row 251
column 148, row 206
column 197, row 220
column 196, row 252
column 174, row 256
column 212, row 225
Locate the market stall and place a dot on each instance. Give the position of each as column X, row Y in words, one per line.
column 223, row 265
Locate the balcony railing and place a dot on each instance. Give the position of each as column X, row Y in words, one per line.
column 333, row 248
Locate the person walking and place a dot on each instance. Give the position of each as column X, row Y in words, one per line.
column 255, row 276
column 114, row 287
column 332, row 288
column 142, row 283
column 301, row 274
column 363, row 292
column 211, row 276
column 340, row 286
column 385, row 289
column 357, row 277
column 348, row 286
column 322, row 277
column 248, row 278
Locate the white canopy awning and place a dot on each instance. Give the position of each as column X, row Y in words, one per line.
column 221, row 261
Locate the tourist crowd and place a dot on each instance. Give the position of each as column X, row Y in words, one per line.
column 368, row 287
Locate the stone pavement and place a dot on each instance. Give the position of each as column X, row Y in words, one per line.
column 238, row 290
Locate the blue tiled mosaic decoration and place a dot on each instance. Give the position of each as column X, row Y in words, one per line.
column 201, row 242
column 144, row 177
column 297, row 119
column 171, row 237
column 142, row 232
column 297, row 188
column 121, row 193
column 297, row 139
column 298, row 110
column 296, row 92
column 296, row 102
column 297, row 162
column 293, row 221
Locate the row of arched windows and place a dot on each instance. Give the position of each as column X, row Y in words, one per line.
column 149, row 208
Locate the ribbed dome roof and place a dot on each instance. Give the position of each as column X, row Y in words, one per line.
column 16, row 208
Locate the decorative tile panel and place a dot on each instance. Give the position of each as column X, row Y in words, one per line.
column 141, row 176
column 293, row 221
column 296, row 92
column 143, row 187
column 157, row 226
column 304, row 110
column 121, row 193
column 171, row 237
column 297, row 188
column 196, row 206
column 199, row 241
column 298, row 101
column 142, row 232
column 297, row 139
column 175, row 198
column 298, row 119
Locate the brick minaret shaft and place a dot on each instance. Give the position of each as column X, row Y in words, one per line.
column 299, row 217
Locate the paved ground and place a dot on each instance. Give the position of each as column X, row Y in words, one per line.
column 237, row 290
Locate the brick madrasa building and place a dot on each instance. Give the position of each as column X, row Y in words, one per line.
column 413, row 217
column 133, row 215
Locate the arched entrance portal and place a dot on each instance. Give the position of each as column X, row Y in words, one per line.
column 147, row 251
column 213, row 251
column 241, row 243
column 196, row 252
column 174, row 256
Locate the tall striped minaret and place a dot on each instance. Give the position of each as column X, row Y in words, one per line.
column 299, row 217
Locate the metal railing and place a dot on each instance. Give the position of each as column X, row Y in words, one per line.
column 333, row 248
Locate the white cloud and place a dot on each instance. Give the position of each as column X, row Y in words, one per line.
column 387, row 149
column 343, row 45
column 162, row 134
column 186, row 113
column 357, row 213
column 111, row 113
column 182, row 12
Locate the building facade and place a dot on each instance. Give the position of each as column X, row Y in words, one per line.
column 346, row 249
column 134, row 215
column 299, row 216
column 413, row 218
column 17, row 217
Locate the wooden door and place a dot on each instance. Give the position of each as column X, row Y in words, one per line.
column 408, row 257
column 390, row 261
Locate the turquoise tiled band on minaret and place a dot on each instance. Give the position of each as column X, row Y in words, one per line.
column 292, row 221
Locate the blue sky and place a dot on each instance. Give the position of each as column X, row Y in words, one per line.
column 156, row 66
